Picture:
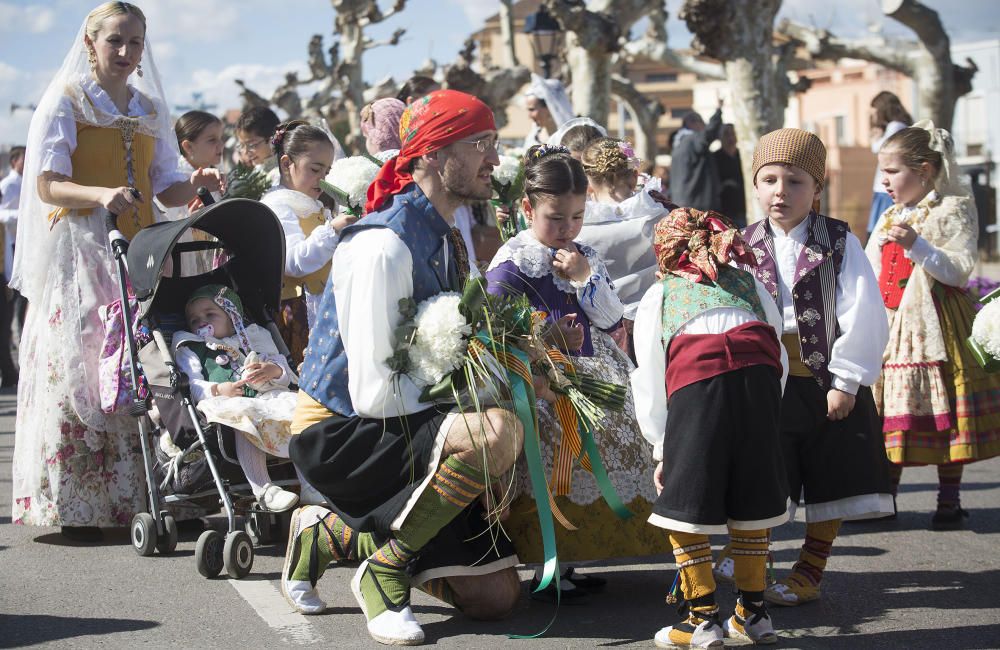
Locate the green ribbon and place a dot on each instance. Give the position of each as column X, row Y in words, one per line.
column 523, row 393
column 601, row 475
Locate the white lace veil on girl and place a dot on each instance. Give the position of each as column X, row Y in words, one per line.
column 65, row 97
column 949, row 179
column 564, row 127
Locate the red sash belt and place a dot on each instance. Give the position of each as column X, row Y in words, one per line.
column 693, row 357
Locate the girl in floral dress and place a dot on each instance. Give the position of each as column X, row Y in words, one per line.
column 100, row 138
column 938, row 406
column 571, row 284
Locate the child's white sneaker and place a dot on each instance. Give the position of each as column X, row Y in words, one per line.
column 700, row 630
column 751, row 622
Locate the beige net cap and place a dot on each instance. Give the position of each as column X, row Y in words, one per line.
column 792, row 147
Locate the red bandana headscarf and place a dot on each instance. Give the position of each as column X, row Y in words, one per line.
column 428, row 124
column 694, row 244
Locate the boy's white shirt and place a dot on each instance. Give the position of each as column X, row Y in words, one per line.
column 856, row 355
column 649, row 391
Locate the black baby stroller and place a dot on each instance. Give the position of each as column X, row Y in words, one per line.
column 249, row 248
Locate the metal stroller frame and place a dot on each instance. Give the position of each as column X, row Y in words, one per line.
column 250, row 231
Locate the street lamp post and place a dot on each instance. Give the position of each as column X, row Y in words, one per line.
column 544, row 30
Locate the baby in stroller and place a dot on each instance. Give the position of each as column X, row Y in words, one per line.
column 238, row 378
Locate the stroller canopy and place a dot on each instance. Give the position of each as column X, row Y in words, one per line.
column 248, row 230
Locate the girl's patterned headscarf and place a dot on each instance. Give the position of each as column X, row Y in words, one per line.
column 229, row 302
column 694, row 244
column 428, row 124
column 380, row 124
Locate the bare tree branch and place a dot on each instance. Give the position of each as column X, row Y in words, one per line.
column 821, row 44
column 922, row 20
column 940, row 81
column 392, row 40
column 652, row 45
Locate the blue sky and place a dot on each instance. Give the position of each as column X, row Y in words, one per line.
column 202, row 45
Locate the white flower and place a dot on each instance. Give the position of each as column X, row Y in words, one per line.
column 353, row 176
column 507, row 171
column 986, row 328
column 441, row 342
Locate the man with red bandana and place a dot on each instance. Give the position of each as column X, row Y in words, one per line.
column 403, row 478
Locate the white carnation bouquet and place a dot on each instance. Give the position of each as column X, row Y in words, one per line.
column 441, row 340
column 508, row 186
column 985, row 339
column 348, row 182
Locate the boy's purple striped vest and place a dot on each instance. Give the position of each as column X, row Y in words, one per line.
column 814, row 293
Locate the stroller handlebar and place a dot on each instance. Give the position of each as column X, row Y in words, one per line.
column 115, row 237
column 205, row 196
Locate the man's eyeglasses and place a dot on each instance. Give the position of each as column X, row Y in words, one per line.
column 483, row 145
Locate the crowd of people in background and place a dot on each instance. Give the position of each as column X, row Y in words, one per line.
column 769, row 366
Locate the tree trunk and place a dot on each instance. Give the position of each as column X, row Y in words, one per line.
column 591, row 70
column 740, row 34
column 932, row 67
column 507, row 33
column 349, row 71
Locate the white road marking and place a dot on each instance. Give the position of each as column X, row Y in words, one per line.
column 271, row 606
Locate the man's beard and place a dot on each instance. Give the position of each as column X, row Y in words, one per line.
column 457, row 183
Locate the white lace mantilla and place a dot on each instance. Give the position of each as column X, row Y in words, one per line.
column 534, row 259
column 638, row 206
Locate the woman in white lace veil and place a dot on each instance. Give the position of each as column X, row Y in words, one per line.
column 100, row 139
column 549, row 105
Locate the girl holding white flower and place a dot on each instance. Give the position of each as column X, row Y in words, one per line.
column 570, row 283
column 938, row 406
column 305, row 154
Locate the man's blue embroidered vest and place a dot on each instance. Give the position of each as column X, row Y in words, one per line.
column 412, row 217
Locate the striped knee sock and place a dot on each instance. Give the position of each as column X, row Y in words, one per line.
column 386, row 585
column 815, row 552
column 693, row 555
column 328, row 540
column 749, row 551
column 949, row 485
column 440, row 589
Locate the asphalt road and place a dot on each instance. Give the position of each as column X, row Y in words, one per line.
column 889, row 585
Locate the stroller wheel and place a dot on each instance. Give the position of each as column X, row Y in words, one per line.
column 168, row 541
column 238, row 555
column 259, row 527
column 208, row 553
column 144, row 534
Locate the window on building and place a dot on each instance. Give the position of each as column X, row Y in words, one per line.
column 653, row 77
column 840, row 126
column 679, row 112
